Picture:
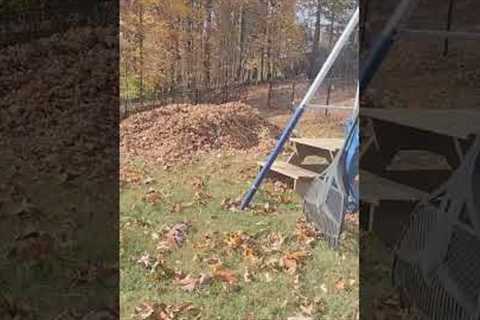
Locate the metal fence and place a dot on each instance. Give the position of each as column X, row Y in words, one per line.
column 275, row 94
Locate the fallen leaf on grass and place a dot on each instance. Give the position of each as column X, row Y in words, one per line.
column 249, row 316
column 235, row 240
column 226, row 275
column 230, row 205
column 161, row 311
column 250, row 255
column 157, row 266
column 268, row 277
column 130, row 175
column 299, row 317
column 202, row 197
column 296, row 282
column 176, row 235
column 179, row 207
column 32, row 247
column 152, row 197
column 292, row 261
column 190, row 283
column 208, row 242
column 265, row 209
column 146, row 260
column 198, row 183
column 340, row 285
column 274, row 242
column 305, row 232
column 247, row 276
column 324, row 288
column 307, row 309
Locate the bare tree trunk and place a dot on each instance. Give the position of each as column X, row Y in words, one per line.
column 330, row 44
column 206, row 61
column 262, row 64
column 316, row 40
column 269, row 40
column 141, row 52
column 241, row 41
column 190, row 53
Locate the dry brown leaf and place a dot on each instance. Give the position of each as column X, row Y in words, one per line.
column 190, row 283
column 226, row 275
column 299, row 317
column 307, row 309
column 177, row 208
column 268, row 277
column 202, row 197
column 161, row 311
column 247, row 276
column 156, row 311
column 33, row 246
column 235, row 240
column 198, row 183
column 292, row 261
column 305, row 232
column 177, row 234
column 152, row 197
column 230, row 205
column 265, row 209
column 340, row 285
column 273, row 242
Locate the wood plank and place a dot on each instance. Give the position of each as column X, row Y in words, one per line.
column 374, row 189
column 291, row 170
column 329, row 144
column 330, row 106
column 414, row 34
column 452, row 123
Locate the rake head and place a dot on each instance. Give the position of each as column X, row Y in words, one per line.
column 325, row 204
column 437, row 261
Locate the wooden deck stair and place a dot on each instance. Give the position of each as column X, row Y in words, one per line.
column 296, row 170
column 301, row 177
column 323, row 147
column 290, row 170
column 376, row 189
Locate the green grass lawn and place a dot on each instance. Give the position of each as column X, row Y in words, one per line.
column 321, row 285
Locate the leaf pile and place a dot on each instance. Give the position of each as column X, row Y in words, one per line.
column 176, row 133
column 53, row 93
column 58, row 119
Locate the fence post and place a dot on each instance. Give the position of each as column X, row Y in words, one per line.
column 292, row 97
column 449, row 26
column 329, row 90
column 269, row 96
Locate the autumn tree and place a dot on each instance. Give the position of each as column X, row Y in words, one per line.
column 200, row 49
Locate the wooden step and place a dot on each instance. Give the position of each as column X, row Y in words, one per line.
column 291, row 170
column 329, row 144
column 374, row 189
column 301, row 177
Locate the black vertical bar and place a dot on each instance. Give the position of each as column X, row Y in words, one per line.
column 449, row 26
column 363, row 24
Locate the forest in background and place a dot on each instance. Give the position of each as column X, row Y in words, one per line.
column 197, row 48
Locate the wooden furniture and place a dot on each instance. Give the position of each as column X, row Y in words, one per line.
column 447, row 133
column 296, row 170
